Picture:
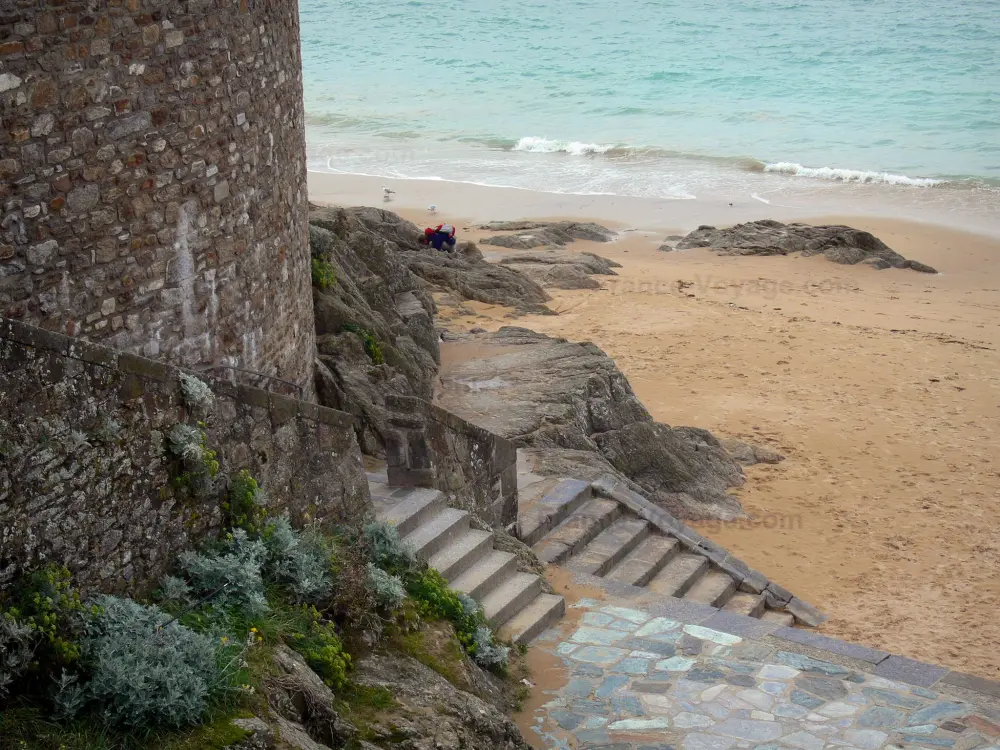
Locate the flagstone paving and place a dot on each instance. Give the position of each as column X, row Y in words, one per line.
column 637, row 681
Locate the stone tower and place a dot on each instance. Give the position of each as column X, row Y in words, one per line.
column 152, row 178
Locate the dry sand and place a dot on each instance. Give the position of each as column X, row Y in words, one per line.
column 882, row 388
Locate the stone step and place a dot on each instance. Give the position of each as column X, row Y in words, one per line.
column 543, row 611
column 610, row 546
column 751, row 605
column 411, row 508
column 510, row 597
column 551, row 508
column 437, row 531
column 782, row 618
column 461, row 553
column 645, row 561
column 494, row 568
column 714, row 589
column 577, row 530
column 679, row 574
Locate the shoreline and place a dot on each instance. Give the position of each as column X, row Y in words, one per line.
column 481, row 203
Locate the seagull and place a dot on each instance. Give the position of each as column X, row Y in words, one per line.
column 387, row 193
column 432, row 208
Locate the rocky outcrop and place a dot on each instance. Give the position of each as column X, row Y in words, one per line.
column 428, row 711
column 561, row 269
column 839, row 244
column 375, row 324
column 571, row 406
column 432, row 712
column 531, row 234
column 748, row 454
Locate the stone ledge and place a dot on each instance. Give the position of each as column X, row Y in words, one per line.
column 910, row 671
column 832, row 645
column 281, row 408
column 971, row 682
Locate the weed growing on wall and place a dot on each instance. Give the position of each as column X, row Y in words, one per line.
column 245, row 506
column 323, row 275
column 197, row 395
column 370, row 341
column 190, row 446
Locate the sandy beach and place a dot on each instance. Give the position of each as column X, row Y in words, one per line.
column 881, row 388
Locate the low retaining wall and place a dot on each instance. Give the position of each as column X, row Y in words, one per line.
column 428, row 446
column 86, row 479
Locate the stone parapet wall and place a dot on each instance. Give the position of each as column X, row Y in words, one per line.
column 87, row 480
column 427, row 446
column 152, row 179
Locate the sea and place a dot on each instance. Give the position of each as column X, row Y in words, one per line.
column 775, row 101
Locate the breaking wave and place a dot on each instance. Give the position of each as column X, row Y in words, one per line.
column 851, row 175
column 535, row 145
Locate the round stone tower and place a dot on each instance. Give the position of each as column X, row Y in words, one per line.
column 152, row 179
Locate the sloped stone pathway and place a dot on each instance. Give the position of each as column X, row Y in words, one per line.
column 636, row 680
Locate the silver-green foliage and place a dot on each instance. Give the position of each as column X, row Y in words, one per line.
column 232, row 574
column 387, row 589
column 299, row 560
column 144, row 672
column 387, row 551
column 197, row 395
column 489, row 653
column 15, row 651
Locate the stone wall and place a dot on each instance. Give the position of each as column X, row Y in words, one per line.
column 427, row 446
column 87, row 480
column 152, row 179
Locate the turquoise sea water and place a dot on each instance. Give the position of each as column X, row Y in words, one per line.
column 660, row 98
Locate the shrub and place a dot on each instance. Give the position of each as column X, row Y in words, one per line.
column 233, row 571
column 388, row 589
column 144, row 672
column 322, row 650
column 50, row 609
column 15, row 651
column 488, row 653
column 190, row 445
column 438, row 602
column 245, row 506
column 298, row 560
column 323, row 275
column 386, row 549
column 196, row 394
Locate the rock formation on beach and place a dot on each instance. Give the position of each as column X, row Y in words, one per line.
column 575, row 414
column 839, row 244
column 531, row 234
column 561, row 269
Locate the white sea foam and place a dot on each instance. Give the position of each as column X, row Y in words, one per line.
column 759, row 198
column 851, row 175
column 535, row 145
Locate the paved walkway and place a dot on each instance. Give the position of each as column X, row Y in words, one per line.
column 671, row 676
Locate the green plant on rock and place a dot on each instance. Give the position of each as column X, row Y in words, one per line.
column 370, row 341
column 245, row 506
column 322, row 649
column 190, row 446
column 323, row 275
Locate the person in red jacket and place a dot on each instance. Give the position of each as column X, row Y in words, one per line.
column 443, row 234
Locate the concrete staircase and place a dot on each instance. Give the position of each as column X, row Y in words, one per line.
column 567, row 524
column 513, row 602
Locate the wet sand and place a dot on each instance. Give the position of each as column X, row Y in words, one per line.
column 882, row 389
